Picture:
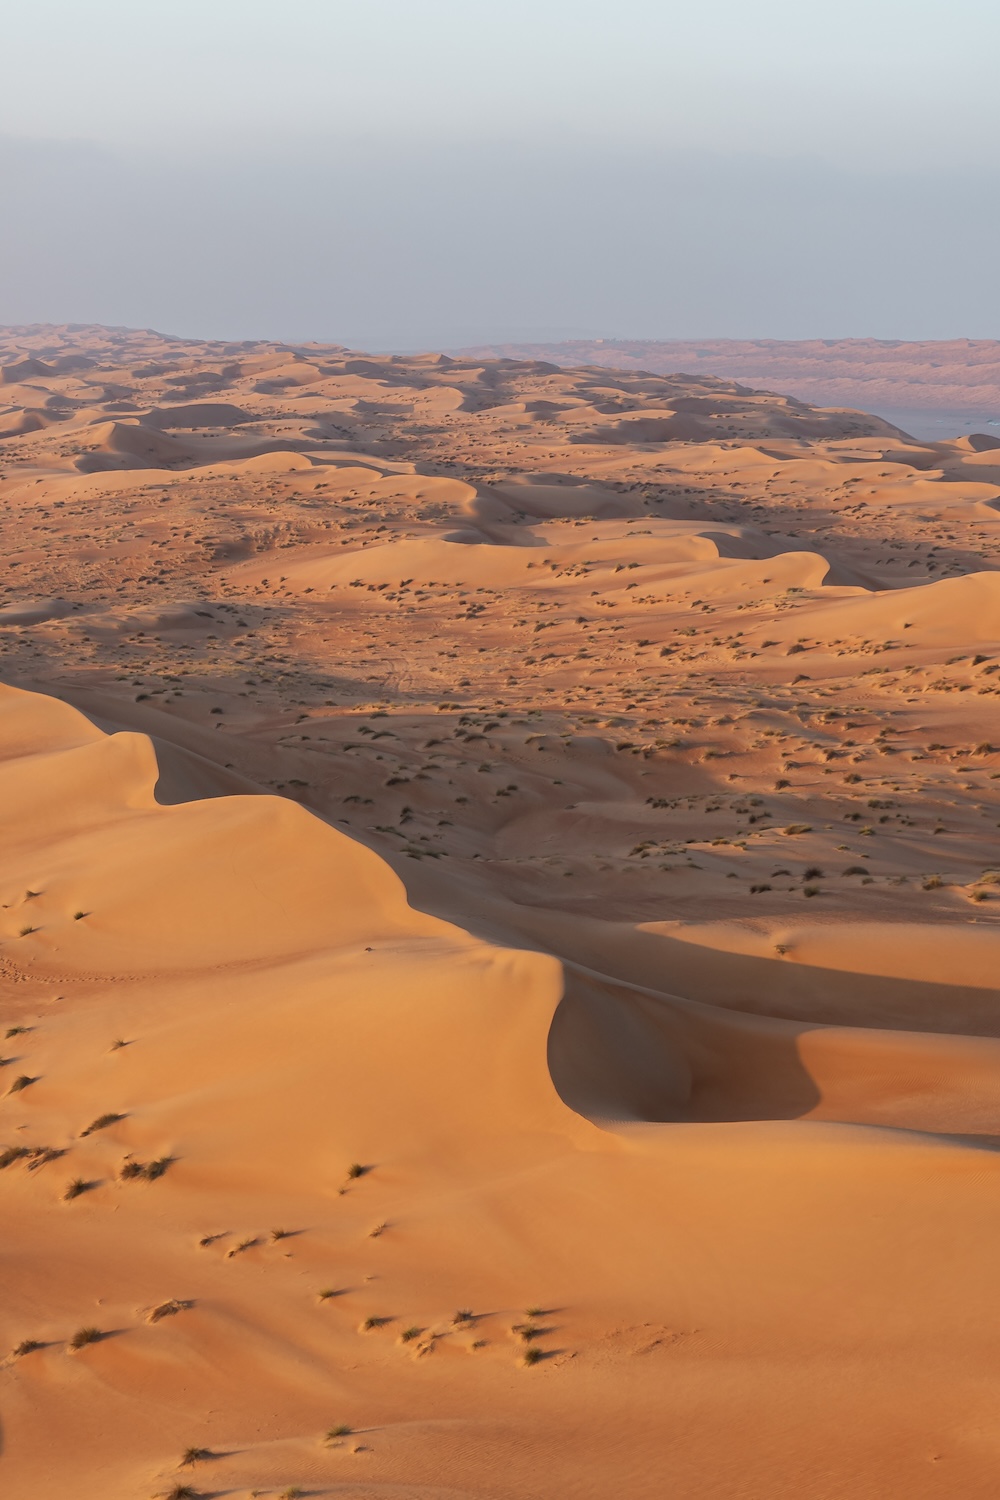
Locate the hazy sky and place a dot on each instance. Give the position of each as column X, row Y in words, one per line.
column 416, row 172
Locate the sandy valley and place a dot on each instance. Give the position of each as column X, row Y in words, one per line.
column 499, row 932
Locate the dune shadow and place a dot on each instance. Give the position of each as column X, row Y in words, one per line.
column 617, row 1053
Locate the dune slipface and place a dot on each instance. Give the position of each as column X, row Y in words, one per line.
column 499, row 926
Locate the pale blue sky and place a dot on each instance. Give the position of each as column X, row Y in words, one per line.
column 890, row 79
column 452, row 169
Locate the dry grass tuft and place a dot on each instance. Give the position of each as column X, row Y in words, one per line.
column 167, row 1310
column 196, row 1455
column 101, row 1123
column 39, row 1156
column 148, row 1171
column 85, row 1336
column 242, row 1245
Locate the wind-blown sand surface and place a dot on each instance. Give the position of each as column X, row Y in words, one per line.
column 498, row 861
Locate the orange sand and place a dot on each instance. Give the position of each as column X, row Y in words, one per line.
column 571, row 796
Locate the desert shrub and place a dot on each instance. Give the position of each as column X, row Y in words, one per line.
column 85, row 1336
column 101, row 1123
column 196, row 1455
column 167, row 1310
column 240, row 1246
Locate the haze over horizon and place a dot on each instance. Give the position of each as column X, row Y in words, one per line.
column 388, row 178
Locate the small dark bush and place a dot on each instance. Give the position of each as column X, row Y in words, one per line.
column 84, row 1336
column 196, row 1455
column 167, row 1309
column 101, row 1123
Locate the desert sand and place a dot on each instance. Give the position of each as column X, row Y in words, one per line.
column 940, row 387
column 348, row 1150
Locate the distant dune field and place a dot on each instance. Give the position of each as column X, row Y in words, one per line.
column 938, row 389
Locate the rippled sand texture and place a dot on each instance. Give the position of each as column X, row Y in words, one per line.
column 499, row 933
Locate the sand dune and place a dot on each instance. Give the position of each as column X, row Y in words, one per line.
column 499, row 924
column 925, row 382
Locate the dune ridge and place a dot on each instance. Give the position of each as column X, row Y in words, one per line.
column 499, row 923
